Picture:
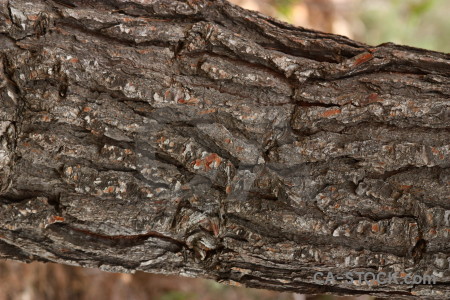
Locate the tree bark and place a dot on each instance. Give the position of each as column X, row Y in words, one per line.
column 197, row 138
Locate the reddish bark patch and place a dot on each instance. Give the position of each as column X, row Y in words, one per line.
column 331, row 112
column 375, row 228
column 362, row 59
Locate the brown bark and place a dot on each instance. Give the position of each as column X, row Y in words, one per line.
column 197, row 138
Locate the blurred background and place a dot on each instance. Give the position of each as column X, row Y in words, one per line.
column 39, row 281
column 419, row 23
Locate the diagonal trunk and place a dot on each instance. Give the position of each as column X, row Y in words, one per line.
column 197, row 138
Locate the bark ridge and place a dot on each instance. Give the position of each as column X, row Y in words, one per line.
column 197, row 138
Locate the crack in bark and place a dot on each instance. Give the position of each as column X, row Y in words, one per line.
column 237, row 146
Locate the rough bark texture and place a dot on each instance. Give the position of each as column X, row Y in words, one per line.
column 197, row 138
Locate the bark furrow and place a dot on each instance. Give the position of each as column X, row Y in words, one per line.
column 197, row 138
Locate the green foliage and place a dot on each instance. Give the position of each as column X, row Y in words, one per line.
column 177, row 295
column 419, row 8
column 284, row 7
column 419, row 23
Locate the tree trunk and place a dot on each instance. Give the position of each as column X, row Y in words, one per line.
column 197, row 138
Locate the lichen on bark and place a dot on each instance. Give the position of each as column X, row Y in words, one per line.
column 198, row 138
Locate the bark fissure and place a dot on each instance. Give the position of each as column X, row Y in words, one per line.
column 201, row 139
